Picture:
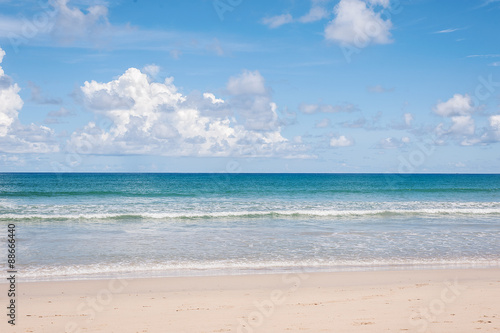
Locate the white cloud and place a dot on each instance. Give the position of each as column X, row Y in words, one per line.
column 248, row 83
column 493, row 132
column 341, row 141
column 326, row 108
column 357, row 24
column 252, row 101
column 391, row 143
column 408, row 119
column 462, row 125
column 277, row 21
column 154, row 118
column 457, row 105
column 212, row 98
column 71, row 23
column 495, row 64
column 323, row 123
column 383, row 3
column 446, row 31
column 152, row 70
column 316, row 13
column 14, row 136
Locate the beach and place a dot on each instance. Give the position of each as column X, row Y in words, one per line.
column 250, row 253
column 370, row 301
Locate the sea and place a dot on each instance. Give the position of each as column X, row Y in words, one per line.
column 73, row 226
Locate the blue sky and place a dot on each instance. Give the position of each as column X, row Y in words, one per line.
column 250, row 86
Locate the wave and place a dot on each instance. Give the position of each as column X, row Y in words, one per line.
column 239, row 267
column 92, row 193
column 258, row 214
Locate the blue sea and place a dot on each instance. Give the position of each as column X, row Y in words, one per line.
column 86, row 226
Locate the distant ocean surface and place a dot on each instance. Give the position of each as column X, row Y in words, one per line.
column 84, row 226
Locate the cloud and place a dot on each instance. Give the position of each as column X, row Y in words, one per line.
column 38, row 97
column 154, row 118
column 462, row 125
column 357, row 24
column 379, row 89
column 484, row 56
column 54, row 117
column 72, row 24
column 277, row 21
column 495, row 64
column 457, row 105
column 341, row 141
column 392, row 143
column 248, row 83
column 14, row 136
column 408, row 118
column 212, row 98
column 152, row 70
column 446, row 31
column 492, row 133
column 316, row 13
column 326, row 108
column 323, row 123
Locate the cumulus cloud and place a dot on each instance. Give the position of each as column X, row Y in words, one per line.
column 492, row 133
column 458, row 105
column 71, row 23
column 212, row 98
column 358, row 23
column 341, row 141
column 14, row 136
column 252, row 102
column 154, row 118
column 462, row 125
column 152, row 70
column 248, row 83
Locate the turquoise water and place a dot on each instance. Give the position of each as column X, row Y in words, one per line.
column 100, row 225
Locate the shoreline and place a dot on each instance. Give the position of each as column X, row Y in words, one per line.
column 257, row 271
column 440, row 300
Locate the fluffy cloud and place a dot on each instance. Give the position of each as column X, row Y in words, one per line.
column 248, row 83
column 14, row 136
column 460, row 105
column 463, row 125
column 252, row 102
column 71, row 23
column 341, row 141
column 492, row 133
column 154, row 118
column 357, row 23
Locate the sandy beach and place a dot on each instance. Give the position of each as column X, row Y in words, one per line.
column 381, row 301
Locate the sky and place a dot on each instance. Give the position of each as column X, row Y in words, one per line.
column 401, row 86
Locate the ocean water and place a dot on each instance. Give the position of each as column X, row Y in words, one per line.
column 84, row 226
